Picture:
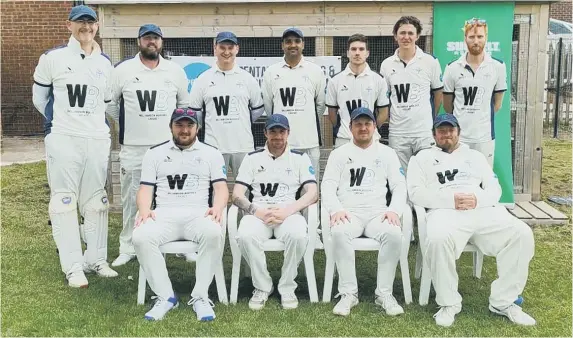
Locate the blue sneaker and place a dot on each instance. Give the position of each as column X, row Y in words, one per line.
column 160, row 308
column 203, row 308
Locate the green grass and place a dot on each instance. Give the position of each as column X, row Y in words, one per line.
column 35, row 301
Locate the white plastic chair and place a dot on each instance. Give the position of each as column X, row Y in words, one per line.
column 422, row 269
column 185, row 247
column 366, row 244
column 311, row 216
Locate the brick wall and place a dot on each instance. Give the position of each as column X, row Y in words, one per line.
column 561, row 10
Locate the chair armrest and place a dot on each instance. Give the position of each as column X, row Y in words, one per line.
column 325, row 229
column 232, row 225
column 311, row 215
column 407, row 223
column 421, row 217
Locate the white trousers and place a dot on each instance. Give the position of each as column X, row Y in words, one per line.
column 172, row 224
column 314, row 154
column 496, row 233
column 407, row 147
column 233, row 162
column 292, row 232
column 390, row 238
column 486, row 148
column 130, row 182
column 77, row 172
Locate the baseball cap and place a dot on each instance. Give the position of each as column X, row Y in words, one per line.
column 362, row 112
column 293, row 30
column 82, row 10
column 149, row 28
column 446, row 119
column 226, row 37
column 185, row 113
column 277, row 120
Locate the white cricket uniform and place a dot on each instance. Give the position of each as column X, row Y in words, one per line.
column 433, row 179
column 182, row 179
column 231, row 101
column 356, row 180
column 299, row 94
column 473, row 100
column 274, row 182
column 348, row 91
column 411, row 102
column 77, row 148
column 142, row 102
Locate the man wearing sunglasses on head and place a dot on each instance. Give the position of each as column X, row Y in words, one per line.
column 187, row 180
column 474, row 86
column 145, row 90
column 70, row 86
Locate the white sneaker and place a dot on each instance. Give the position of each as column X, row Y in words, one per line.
column 122, row 259
column 77, row 280
column 101, row 269
column 515, row 314
column 389, row 303
column 447, row 314
column 203, row 308
column 160, row 308
column 289, row 301
column 346, row 303
column 259, row 299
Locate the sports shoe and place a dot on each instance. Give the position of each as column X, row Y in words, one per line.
column 389, row 303
column 289, row 301
column 515, row 314
column 259, row 299
column 101, row 269
column 447, row 314
column 77, row 280
column 344, row 305
column 160, row 308
column 203, row 308
column 122, row 259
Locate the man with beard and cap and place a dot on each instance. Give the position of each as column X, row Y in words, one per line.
column 187, row 180
column 295, row 87
column 460, row 192
column 474, row 86
column 145, row 90
column 70, row 87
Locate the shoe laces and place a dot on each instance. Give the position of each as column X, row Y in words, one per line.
column 446, row 310
column 201, row 303
column 389, row 301
column 345, row 299
column 290, row 297
column 158, row 301
column 260, row 295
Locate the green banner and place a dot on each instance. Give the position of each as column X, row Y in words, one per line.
column 449, row 19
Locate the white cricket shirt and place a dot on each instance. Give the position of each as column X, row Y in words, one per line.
column 473, row 95
column 411, row 86
column 348, row 91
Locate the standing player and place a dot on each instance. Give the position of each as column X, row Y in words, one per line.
column 474, row 86
column 182, row 173
column 231, row 101
column 461, row 192
column 296, row 88
column 275, row 176
column 354, row 191
column 356, row 86
column 145, row 90
column 414, row 80
column 70, row 83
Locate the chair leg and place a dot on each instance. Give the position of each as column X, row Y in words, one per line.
column 425, row 284
column 478, row 264
column 235, row 273
column 221, row 286
column 310, row 277
column 419, row 263
column 405, row 271
column 328, row 280
column 141, row 285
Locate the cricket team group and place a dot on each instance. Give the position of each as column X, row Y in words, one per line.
column 174, row 187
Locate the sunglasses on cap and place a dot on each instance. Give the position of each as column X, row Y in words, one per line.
column 474, row 21
column 186, row 111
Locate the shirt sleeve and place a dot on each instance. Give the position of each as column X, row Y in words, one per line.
column 182, row 84
column 196, row 95
column 149, row 169
column 330, row 184
column 331, row 94
column 218, row 168
column 43, row 72
column 397, row 183
column 267, row 89
column 420, row 194
column 115, row 90
column 245, row 175
column 449, row 81
column 306, row 172
column 382, row 100
column 255, row 98
column 437, row 83
column 501, row 84
column 320, row 95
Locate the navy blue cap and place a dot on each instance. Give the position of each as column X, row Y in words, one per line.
column 293, row 30
column 82, row 10
column 185, row 113
column 149, row 28
column 446, row 119
column 277, row 120
column 226, row 37
column 362, row 112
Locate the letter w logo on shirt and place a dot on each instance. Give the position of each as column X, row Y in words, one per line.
column 356, row 176
column 402, row 92
column 469, row 95
column 179, row 180
column 269, row 189
column 77, row 95
column 287, row 96
column 351, row 105
column 222, row 105
column 449, row 174
column 146, row 101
